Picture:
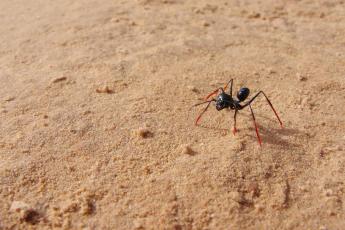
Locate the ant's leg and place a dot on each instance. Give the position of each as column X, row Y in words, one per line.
column 230, row 86
column 235, row 130
column 256, row 127
column 199, row 117
column 204, row 102
column 216, row 91
column 213, row 93
column 269, row 102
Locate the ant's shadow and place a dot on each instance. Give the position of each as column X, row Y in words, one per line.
column 276, row 136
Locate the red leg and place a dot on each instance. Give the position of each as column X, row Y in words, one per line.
column 211, row 94
column 235, row 130
column 216, row 91
column 275, row 112
column 270, row 104
column 199, row 117
column 256, row 127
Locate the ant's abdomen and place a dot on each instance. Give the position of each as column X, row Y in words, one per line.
column 242, row 94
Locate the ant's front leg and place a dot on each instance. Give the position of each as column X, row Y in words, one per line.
column 222, row 89
column 208, row 105
column 235, row 130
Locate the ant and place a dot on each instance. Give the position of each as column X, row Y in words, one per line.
column 224, row 100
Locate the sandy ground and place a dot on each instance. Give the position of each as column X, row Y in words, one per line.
column 97, row 131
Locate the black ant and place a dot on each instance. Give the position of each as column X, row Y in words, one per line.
column 224, row 100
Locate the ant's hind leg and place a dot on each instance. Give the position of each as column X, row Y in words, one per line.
column 269, row 103
column 234, row 129
column 255, row 125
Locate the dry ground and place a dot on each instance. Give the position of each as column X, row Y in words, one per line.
column 95, row 121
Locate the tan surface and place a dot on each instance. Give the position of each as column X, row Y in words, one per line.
column 83, row 82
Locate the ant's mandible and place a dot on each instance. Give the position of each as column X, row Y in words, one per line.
column 224, row 100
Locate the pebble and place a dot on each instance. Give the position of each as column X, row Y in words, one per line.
column 206, row 24
column 331, row 213
column 301, row 77
column 115, row 20
column 322, row 153
column 259, row 208
column 329, row 192
column 59, row 79
column 186, row 149
column 303, row 188
column 193, row 89
column 104, row 89
column 137, row 224
column 198, row 11
column 254, row 15
column 27, row 213
column 271, row 71
column 8, row 99
column 144, row 133
column 86, row 112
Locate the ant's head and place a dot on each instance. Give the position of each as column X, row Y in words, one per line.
column 242, row 94
column 220, row 102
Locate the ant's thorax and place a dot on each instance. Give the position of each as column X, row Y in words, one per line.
column 224, row 100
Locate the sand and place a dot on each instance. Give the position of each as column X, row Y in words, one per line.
column 96, row 130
